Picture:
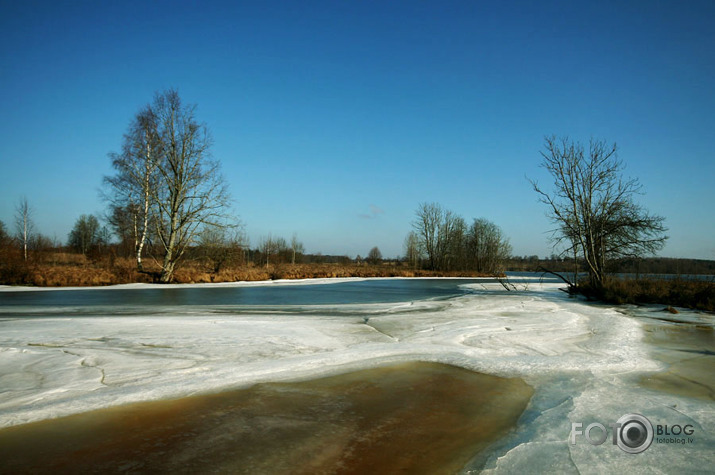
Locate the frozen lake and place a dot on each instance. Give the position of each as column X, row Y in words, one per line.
column 69, row 351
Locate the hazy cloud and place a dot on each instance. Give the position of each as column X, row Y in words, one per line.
column 375, row 211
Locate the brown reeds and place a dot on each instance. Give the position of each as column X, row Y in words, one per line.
column 67, row 269
column 678, row 292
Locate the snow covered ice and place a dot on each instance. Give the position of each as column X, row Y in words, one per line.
column 583, row 360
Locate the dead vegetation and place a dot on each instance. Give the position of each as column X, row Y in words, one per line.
column 68, row 269
column 678, row 292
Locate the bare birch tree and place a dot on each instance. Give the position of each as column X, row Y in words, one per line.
column 270, row 245
column 296, row 247
column 412, row 251
column 23, row 224
column 191, row 193
column 592, row 206
column 167, row 178
column 134, row 185
column 267, row 247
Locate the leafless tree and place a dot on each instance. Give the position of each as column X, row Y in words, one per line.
column 123, row 222
column 412, row 252
column 439, row 234
column 487, row 247
column 427, row 228
column 5, row 246
column 4, row 238
column 168, row 180
column 191, row 192
column 270, row 246
column 133, row 187
column 374, row 257
column 23, row 224
column 450, row 245
column 592, row 206
column 222, row 246
column 85, row 234
column 296, row 247
column 455, row 257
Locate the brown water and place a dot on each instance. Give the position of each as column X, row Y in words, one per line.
column 689, row 351
column 410, row 417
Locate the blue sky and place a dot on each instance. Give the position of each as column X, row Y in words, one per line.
column 335, row 119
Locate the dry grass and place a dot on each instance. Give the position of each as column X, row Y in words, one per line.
column 695, row 294
column 66, row 269
column 84, row 273
column 196, row 273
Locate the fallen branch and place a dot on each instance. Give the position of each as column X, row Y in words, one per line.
column 504, row 281
column 572, row 286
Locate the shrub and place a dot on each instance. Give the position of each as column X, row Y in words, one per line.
column 695, row 294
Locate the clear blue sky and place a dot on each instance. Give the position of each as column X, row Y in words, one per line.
column 335, row 119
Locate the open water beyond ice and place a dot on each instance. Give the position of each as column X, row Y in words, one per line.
column 68, row 351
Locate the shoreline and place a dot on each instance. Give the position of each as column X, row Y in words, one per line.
column 239, row 283
column 84, row 273
column 405, row 416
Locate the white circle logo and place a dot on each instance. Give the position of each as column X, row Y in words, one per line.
column 634, row 433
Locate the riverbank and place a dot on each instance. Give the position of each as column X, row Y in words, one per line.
column 414, row 417
column 76, row 271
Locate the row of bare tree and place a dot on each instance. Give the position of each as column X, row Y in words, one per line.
column 442, row 240
column 277, row 249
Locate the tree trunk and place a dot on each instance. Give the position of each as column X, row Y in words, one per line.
column 24, row 242
column 167, row 267
column 148, row 169
column 136, row 240
column 142, row 238
column 167, row 270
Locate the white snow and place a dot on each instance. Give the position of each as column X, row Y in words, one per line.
column 582, row 360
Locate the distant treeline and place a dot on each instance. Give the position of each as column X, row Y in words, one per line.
column 644, row 266
column 91, row 257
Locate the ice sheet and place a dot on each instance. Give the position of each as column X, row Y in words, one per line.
column 582, row 359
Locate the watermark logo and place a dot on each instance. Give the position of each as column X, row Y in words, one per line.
column 632, row 433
